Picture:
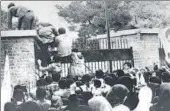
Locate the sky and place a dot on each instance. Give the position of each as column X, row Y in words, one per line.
column 44, row 10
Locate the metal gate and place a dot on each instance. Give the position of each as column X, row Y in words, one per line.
column 97, row 55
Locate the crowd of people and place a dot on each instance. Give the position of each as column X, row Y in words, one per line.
column 129, row 89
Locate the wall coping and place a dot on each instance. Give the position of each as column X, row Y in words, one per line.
column 18, row 33
column 127, row 32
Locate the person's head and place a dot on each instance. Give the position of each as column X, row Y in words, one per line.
column 155, row 80
column 164, row 96
column 126, row 81
column 23, row 88
column 56, row 101
column 159, row 72
column 97, row 83
column 48, row 80
column 79, row 83
column 117, row 94
column 56, row 77
column 155, row 68
column 99, row 103
column 40, row 93
column 11, row 5
column 109, row 80
column 146, row 76
column 87, row 96
column 30, row 106
column 75, row 50
column 62, row 83
column 73, row 101
column 18, row 94
column 85, row 78
column 99, row 74
column 69, row 82
column 165, row 77
column 127, row 65
column 61, row 31
column 10, row 107
column 119, row 73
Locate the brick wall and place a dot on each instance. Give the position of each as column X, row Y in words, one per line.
column 19, row 45
column 145, row 49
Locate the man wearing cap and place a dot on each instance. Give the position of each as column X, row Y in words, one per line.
column 24, row 15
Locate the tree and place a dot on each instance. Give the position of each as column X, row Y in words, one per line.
column 91, row 15
column 122, row 15
column 149, row 14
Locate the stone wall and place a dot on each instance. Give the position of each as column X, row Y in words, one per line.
column 19, row 45
column 145, row 44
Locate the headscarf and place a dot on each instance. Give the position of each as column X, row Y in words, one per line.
column 99, row 103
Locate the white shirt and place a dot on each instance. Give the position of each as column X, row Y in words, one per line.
column 64, row 45
column 121, row 107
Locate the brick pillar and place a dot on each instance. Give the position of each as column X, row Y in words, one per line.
column 19, row 45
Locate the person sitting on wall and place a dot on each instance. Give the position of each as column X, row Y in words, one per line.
column 46, row 34
column 25, row 17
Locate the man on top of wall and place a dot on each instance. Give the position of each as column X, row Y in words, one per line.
column 64, row 46
column 24, row 15
column 45, row 38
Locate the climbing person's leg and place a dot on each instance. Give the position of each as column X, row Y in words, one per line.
column 28, row 20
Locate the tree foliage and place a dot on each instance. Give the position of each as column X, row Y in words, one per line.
column 122, row 15
column 91, row 15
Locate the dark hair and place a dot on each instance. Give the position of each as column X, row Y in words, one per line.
column 56, row 77
column 11, row 5
column 48, row 80
column 40, row 93
column 155, row 68
column 109, row 80
column 159, row 73
column 97, row 83
column 78, row 83
column 146, row 76
column 166, row 77
column 119, row 73
column 62, row 83
column 128, row 64
column 18, row 94
column 61, row 30
column 126, row 81
column 99, row 74
column 10, row 107
column 155, row 80
column 23, row 88
column 85, row 78
column 41, row 82
column 75, row 50
column 69, row 82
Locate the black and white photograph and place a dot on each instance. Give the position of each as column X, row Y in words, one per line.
column 85, row 55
